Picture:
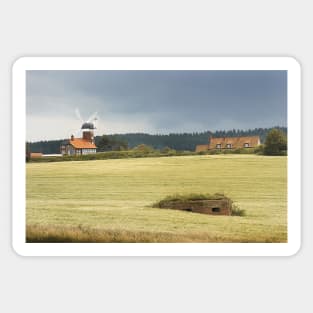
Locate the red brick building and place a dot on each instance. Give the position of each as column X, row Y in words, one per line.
column 230, row 143
column 80, row 146
column 34, row 155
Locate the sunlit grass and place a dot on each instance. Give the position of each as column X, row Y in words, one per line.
column 116, row 196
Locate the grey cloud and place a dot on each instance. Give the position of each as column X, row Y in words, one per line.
column 165, row 100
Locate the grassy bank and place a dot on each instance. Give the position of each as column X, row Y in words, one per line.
column 138, row 154
column 78, row 234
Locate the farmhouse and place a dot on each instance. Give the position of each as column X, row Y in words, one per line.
column 230, row 143
column 80, row 146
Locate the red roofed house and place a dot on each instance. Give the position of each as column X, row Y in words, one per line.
column 230, row 143
column 80, row 146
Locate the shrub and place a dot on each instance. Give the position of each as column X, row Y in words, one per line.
column 215, row 152
column 275, row 143
column 165, row 150
column 189, row 197
column 143, row 148
column 168, row 151
column 185, row 152
column 259, row 149
column 228, row 151
column 236, row 211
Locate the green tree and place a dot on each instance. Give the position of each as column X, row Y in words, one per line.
column 275, row 143
column 27, row 148
column 118, row 145
column 103, row 143
column 106, row 143
column 168, row 151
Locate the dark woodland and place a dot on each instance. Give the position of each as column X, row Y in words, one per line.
column 179, row 141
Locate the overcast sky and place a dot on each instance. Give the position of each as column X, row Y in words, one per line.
column 153, row 101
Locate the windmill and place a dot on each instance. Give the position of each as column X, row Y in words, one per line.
column 87, row 126
column 85, row 145
column 91, row 120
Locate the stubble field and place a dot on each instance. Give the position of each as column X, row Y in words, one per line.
column 111, row 200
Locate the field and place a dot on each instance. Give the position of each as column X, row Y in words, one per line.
column 111, row 200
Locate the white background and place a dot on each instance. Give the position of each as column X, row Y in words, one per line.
column 138, row 28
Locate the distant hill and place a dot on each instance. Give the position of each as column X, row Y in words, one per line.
column 179, row 141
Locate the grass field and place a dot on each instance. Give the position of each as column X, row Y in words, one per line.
column 111, row 200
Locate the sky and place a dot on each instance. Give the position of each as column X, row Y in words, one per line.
column 153, row 101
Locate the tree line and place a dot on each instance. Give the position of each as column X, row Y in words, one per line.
column 177, row 141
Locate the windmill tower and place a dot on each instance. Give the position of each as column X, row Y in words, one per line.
column 85, row 144
column 88, row 127
column 88, row 131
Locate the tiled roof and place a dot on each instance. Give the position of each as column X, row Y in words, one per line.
column 80, row 143
column 236, row 142
column 36, row 155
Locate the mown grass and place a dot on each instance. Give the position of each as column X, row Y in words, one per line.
column 112, row 199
